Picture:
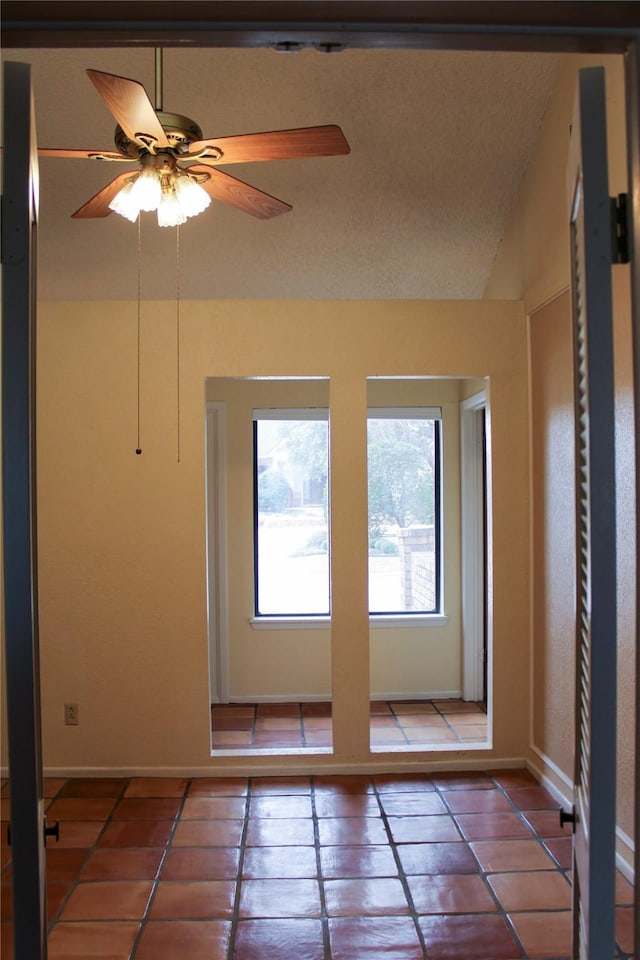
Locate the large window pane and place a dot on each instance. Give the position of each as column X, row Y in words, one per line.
column 291, row 496
column 403, row 478
column 291, row 534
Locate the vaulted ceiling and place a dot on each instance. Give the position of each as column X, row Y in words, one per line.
column 439, row 144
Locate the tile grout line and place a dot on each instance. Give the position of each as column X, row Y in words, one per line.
column 439, row 786
column 324, row 916
column 445, row 717
column 540, row 840
column 398, row 720
column 500, row 911
column 90, row 850
column 449, row 725
column 402, row 876
column 536, row 838
column 235, row 913
column 156, row 881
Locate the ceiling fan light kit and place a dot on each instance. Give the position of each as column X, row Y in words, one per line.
column 191, row 197
column 177, row 174
column 164, row 187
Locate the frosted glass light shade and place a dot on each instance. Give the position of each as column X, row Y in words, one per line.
column 123, row 204
column 170, row 213
column 191, row 197
column 146, row 190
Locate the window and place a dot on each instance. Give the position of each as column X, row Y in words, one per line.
column 291, row 541
column 403, row 468
column 291, row 497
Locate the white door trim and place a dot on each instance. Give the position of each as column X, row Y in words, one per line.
column 472, row 546
column 216, row 509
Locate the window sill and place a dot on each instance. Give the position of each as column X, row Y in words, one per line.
column 376, row 621
column 407, row 620
column 290, row 623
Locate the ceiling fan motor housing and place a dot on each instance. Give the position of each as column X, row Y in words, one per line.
column 180, row 132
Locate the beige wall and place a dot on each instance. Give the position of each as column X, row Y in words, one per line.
column 553, row 538
column 533, row 265
column 469, row 388
column 626, row 507
column 553, row 531
column 122, row 537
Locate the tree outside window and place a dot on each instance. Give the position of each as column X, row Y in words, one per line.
column 292, row 539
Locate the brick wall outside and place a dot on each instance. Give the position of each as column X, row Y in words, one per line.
column 417, row 563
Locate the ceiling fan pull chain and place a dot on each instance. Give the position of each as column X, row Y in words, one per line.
column 139, row 446
column 178, row 335
column 158, row 72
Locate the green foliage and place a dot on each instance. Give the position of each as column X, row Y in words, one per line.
column 308, row 446
column 382, row 547
column 273, row 492
column 400, row 468
column 316, row 543
column 400, row 454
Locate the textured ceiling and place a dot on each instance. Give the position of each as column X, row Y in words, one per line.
column 439, row 143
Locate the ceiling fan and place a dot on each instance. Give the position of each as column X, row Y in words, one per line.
column 177, row 171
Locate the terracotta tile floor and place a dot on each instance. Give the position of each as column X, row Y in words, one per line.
column 400, row 867
column 394, row 723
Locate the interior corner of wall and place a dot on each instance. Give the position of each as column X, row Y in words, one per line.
column 550, row 775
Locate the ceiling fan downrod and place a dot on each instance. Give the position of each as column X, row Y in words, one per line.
column 158, row 79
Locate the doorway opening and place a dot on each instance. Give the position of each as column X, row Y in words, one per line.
column 429, row 517
column 475, row 521
column 268, row 498
column 268, row 552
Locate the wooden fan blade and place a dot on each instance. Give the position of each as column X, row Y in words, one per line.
column 327, row 141
column 228, row 189
column 128, row 102
column 98, row 206
column 83, row 154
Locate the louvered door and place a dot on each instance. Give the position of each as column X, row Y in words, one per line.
column 595, row 751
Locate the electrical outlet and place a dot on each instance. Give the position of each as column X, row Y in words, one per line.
column 71, row 714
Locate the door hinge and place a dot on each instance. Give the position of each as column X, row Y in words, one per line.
column 619, row 228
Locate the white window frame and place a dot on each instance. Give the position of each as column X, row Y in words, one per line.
column 408, row 619
column 376, row 620
column 216, row 553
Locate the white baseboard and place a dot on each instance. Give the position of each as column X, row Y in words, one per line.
column 552, row 777
column 315, row 764
column 280, row 698
column 560, row 786
column 420, row 695
column 326, row 697
column 543, row 768
column 625, row 855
